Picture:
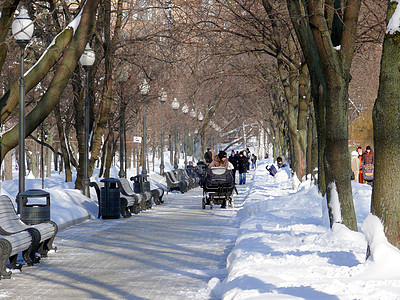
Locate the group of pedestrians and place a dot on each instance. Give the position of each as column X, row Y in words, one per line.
column 238, row 161
column 362, row 165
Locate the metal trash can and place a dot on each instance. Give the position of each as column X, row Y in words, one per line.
column 34, row 212
column 110, row 199
column 140, row 183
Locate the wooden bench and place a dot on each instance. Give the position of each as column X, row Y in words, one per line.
column 11, row 245
column 143, row 199
column 173, row 183
column 185, row 176
column 10, row 224
column 156, row 194
column 193, row 173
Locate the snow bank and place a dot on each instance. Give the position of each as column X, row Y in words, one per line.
column 284, row 250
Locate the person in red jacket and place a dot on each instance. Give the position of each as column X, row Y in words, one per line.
column 360, row 171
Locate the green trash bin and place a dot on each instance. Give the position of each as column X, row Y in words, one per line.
column 110, row 199
column 33, row 210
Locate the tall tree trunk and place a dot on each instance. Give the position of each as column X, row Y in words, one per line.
column 338, row 171
column 109, row 154
column 106, row 101
column 32, row 163
column 8, row 166
column 309, row 145
column 301, row 24
column 78, row 97
column 386, row 119
column 63, row 145
column 103, row 156
column 171, row 150
column 313, row 21
column 49, row 154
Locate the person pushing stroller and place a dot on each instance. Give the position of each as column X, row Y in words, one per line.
column 220, row 160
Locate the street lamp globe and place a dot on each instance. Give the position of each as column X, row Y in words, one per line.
column 87, row 57
column 163, row 96
column 175, row 104
column 22, row 27
column 193, row 113
column 185, row 108
column 144, row 87
column 200, row 117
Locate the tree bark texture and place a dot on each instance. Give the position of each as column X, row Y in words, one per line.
column 63, row 146
column 59, row 81
column 386, row 121
column 7, row 14
column 335, row 66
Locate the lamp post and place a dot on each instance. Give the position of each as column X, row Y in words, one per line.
column 122, row 77
column 22, row 29
column 185, row 110
column 144, row 90
column 87, row 61
column 200, row 118
column 163, row 98
column 193, row 115
column 175, row 107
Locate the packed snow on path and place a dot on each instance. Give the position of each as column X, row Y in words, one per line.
column 286, row 250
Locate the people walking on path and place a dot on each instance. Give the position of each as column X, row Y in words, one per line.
column 253, row 161
column 247, row 154
column 242, row 167
column 355, row 163
column 360, row 171
column 233, row 159
column 368, row 165
column 208, row 156
column 280, row 163
column 219, row 160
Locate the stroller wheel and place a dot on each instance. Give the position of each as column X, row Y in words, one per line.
column 203, row 204
column 231, row 203
column 211, row 204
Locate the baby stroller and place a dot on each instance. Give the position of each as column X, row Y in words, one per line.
column 218, row 186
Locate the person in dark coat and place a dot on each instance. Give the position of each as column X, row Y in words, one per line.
column 233, row 159
column 280, row 163
column 208, row 157
column 242, row 167
column 219, row 160
column 368, row 156
column 368, row 159
column 248, row 155
column 253, row 161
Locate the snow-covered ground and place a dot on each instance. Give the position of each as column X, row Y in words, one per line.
column 284, row 248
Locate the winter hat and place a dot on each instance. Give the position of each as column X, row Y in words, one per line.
column 221, row 154
column 368, row 148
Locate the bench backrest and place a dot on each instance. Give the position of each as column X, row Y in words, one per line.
column 171, row 176
column 9, row 220
column 179, row 175
column 187, row 175
column 125, row 187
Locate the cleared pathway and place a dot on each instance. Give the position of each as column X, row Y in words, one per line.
column 168, row 252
